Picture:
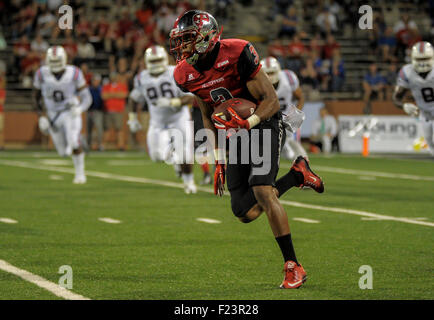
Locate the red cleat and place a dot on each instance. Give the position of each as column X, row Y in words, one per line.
column 310, row 178
column 295, row 276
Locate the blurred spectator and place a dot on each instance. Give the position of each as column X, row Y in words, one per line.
column 387, row 44
column 70, row 47
column 316, row 43
column 404, row 30
column 289, row 23
column 327, row 22
column 330, row 46
column 20, row 50
column 39, row 45
column 296, row 48
column 125, row 23
column 165, row 18
column 120, row 51
column 95, row 114
column 85, row 50
column 124, row 73
column 373, row 86
column 322, row 68
column 278, row 50
column 46, row 21
column 390, row 79
column 86, row 73
column 337, row 72
column 281, row 6
column 221, row 10
column 29, row 64
column 324, row 131
column 309, row 79
column 83, row 27
column 114, row 95
column 2, row 100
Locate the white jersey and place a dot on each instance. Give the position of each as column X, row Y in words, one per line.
column 288, row 83
column 421, row 89
column 57, row 92
column 150, row 88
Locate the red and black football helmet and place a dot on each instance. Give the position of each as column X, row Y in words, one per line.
column 196, row 28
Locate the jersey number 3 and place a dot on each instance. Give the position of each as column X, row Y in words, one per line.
column 220, row 95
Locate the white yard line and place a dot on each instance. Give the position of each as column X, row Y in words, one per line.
column 306, row 220
column 7, row 220
column 373, row 173
column 109, row 220
column 208, row 220
column 41, row 282
column 111, row 176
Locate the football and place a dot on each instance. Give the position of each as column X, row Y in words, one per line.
column 243, row 107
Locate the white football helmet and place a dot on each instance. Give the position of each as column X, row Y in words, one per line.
column 56, row 58
column 272, row 68
column 422, row 57
column 156, row 59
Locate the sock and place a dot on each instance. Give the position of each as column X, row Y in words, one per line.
column 285, row 244
column 205, row 167
column 78, row 160
column 289, row 180
column 187, row 178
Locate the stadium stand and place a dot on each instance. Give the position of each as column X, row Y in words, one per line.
column 107, row 31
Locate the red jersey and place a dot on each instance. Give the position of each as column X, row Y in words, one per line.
column 233, row 64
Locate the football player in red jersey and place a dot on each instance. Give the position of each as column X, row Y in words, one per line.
column 215, row 71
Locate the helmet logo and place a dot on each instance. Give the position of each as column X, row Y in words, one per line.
column 200, row 18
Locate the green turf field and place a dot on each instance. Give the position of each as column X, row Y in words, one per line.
column 160, row 250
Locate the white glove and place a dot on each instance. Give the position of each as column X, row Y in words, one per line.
column 44, row 125
column 411, row 109
column 73, row 104
column 164, row 102
column 294, row 118
column 133, row 123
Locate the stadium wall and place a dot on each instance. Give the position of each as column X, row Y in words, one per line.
column 21, row 127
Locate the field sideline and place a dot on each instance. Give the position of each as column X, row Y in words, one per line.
column 166, row 245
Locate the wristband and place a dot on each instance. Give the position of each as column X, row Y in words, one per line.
column 175, row 102
column 132, row 116
column 253, row 120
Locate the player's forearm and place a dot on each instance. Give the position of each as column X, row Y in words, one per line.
column 85, row 99
column 298, row 94
column 267, row 108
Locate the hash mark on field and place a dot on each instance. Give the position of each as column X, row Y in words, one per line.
column 207, row 220
column 7, row 220
column 111, row 176
column 379, row 219
column 367, row 178
column 41, row 282
column 306, row 220
column 56, row 177
column 109, row 220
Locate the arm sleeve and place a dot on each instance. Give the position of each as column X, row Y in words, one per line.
column 402, row 79
column 85, row 98
column 248, row 63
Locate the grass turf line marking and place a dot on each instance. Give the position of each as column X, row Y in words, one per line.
column 306, row 220
column 111, row 176
column 7, row 220
column 109, row 220
column 41, row 282
column 207, row 220
column 56, row 177
column 372, row 173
